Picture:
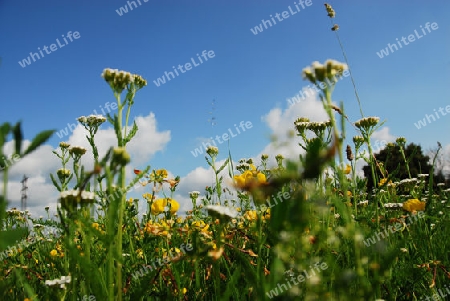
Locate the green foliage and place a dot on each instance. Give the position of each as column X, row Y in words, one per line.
column 395, row 166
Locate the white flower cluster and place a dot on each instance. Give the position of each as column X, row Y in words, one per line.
column 91, row 120
column 61, row 282
column 85, row 195
column 194, row 194
column 367, row 122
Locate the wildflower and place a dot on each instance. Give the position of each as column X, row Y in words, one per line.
column 250, row 215
column 174, row 206
column 159, row 206
column 147, row 196
column 53, row 253
column 250, row 177
column 363, row 203
column 95, row 226
column 70, row 198
column 121, row 156
column 212, row 151
column 140, row 253
column 221, row 211
column 91, row 120
column 401, row 141
column 412, row 205
column 130, row 202
column 335, row 27
column 347, row 169
column 64, row 145
column 367, row 122
column 383, row 182
column 319, row 73
column 62, row 282
column 200, row 225
column 194, row 194
column 63, row 173
column 119, row 80
column 77, row 151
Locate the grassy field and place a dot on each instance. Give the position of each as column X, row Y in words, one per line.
column 301, row 230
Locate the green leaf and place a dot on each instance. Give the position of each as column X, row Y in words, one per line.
column 37, row 141
column 4, row 131
column 117, row 129
column 223, row 165
column 131, row 134
column 209, row 162
column 55, row 183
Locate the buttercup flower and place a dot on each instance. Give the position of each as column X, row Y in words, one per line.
column 249, row 177
column 159, row 206
column 412, row 205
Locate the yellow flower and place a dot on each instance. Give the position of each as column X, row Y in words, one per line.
column 240, row 181
column 140, row 253
column 249, row 177
column 348, row 169
column 95, row 226
column 201, row 225
column 147, row 196
column 251, row 215
column 158, row 206
column 173, row 206
column 53, row 253
column 414, row 205
column 184, row 290
column 383, row 181
column 162, row 173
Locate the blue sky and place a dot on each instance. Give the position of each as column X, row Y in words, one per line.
column 250, row 77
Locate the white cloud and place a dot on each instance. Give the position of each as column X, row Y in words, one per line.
column 380, row 138
column 39, row 164
column 281, row 124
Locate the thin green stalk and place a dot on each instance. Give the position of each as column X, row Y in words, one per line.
column 121, row 208
column 402, row 151
column 350, row 71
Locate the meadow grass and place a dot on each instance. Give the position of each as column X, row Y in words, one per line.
column 299, row 230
